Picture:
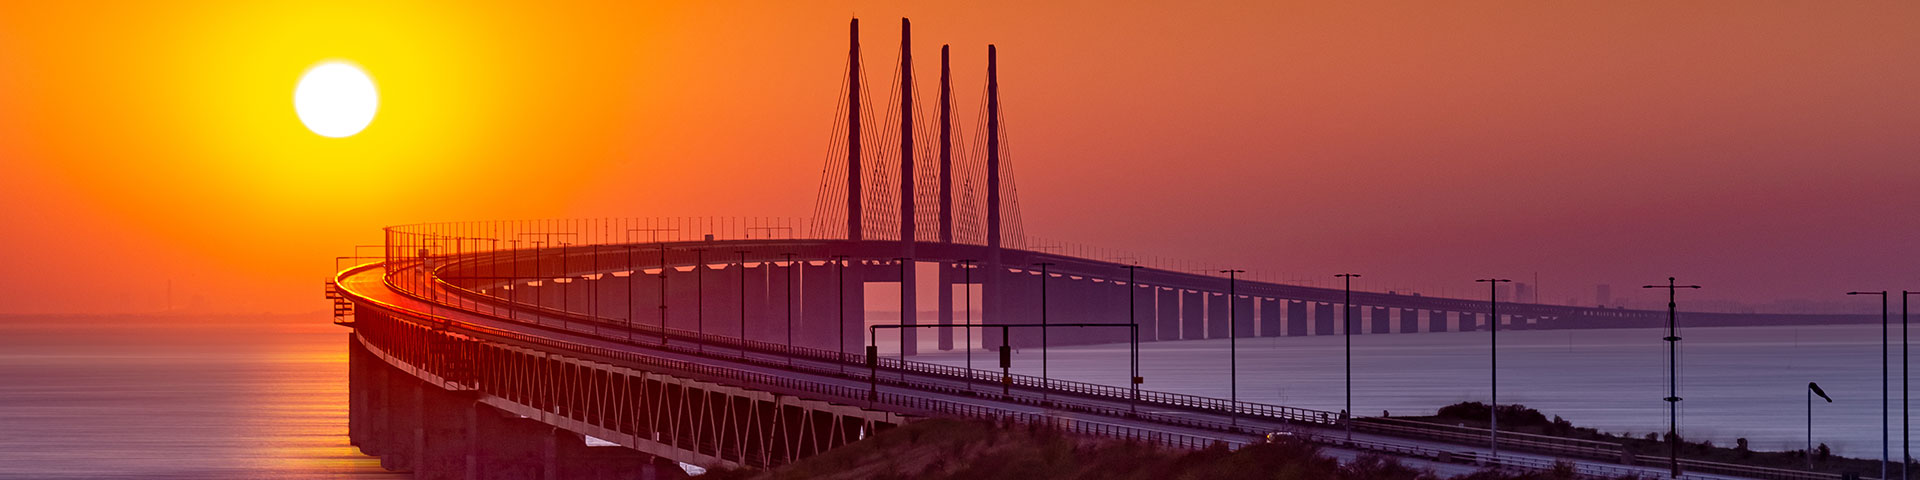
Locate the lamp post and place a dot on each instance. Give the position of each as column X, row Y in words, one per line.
column 1045, row 383
column 1346, row 328
column 1493, row 342
column 791, row 268
column 966, row 273
column 1133, row 383
column 743, row 302
column 841, row 261
column 1812, row 389
column 1673, row 377
column 1906, row 450
column 700, row 300
column 1885, row 334
column 1233, row 351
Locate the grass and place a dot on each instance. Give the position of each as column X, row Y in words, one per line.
column 939, row 449
column 1519, row 418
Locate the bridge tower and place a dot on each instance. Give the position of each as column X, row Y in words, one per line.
column 944, row 283
column 853, row 131
column 909, row 304
column 992, row 294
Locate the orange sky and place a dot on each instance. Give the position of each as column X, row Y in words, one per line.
column 1764, row 150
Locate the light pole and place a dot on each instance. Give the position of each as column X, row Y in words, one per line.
column 1233, row 351
column 1906, row 450
column 905, row 264
column 841, row 261
column 966, row 273
column 791, row 268
column 743, row 302
column 700, row 300
column 1045, row 383
column 1673, row 376
column 1134, row 382
column 1346, row 328
column 1885, row 334
column 1812, row 389
column 1493, row 342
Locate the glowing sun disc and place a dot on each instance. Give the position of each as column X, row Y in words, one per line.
column 335, row 99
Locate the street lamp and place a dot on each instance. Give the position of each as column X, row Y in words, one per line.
column 1812, row 389
column 841, row 261
column 791, row 268
column 1906, row 452
column 1134, row 382
column 1493, row 342
column 1233, row 351
column 966, row 273
column 1346, row 328
column 743, row 302
column 1673, row 376
column 1045, row 384
column 1885, row 334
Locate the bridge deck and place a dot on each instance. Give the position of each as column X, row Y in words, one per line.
column 369, row 285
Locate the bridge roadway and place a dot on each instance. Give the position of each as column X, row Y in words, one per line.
column 1079, row 408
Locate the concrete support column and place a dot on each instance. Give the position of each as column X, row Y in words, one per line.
column 1270, row 317
column 1324, row 318
column 1378, row 317
column 1409, row 320
column 1166, row 313
column 1193, row 315
column 1296, row 318
column 944, row 297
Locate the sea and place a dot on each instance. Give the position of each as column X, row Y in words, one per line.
column 176, row 396
column 1734, row 382
column 265, row 396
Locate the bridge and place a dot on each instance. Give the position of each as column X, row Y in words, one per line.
column 604, row 347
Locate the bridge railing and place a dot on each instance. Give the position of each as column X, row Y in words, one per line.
column 426, row 281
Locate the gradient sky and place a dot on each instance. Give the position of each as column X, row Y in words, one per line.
column 1767, row 150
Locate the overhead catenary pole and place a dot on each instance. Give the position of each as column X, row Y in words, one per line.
column 1673, row 376
column 1493, row 360
column 1233, row 350
column 1133, row 383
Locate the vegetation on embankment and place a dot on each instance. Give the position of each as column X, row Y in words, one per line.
column 957, row 449
column 1519, row 418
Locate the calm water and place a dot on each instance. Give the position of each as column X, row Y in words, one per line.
column 125, row 398
column 1737, row 382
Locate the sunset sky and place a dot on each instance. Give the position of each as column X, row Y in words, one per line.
column 1766, row 150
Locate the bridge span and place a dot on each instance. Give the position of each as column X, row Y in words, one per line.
column 492, row 345
column 569, row 339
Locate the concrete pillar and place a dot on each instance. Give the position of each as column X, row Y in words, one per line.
column 446, row 441
column 1324, row 316
column 1378, row 317
column 1270, row 325
column 1216, row 315
column 944, row 293
column 1296, row 318
column 1248, row 317
column 763, row 323
column 402, row 443
column 1409, row 320
column 819, row 306
column 1145, row 312
column 1436, row 320
column 1193, row 315
column 1166, row 313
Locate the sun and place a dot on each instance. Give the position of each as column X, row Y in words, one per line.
column 335, row 99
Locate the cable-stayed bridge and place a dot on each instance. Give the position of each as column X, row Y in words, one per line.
column 492, row 349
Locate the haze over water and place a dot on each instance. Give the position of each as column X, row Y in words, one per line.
column 1736, row 381
column 180, row 397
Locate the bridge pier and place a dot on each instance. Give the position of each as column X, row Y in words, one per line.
column 1436, row 320
column 1296, row 318
column 944, row 297
column 1270, row 317
column 1409, row 320
column 1379, row 319
column 1167, row 316
column 1323, row 318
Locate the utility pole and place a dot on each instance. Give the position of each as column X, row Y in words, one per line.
column 1346, row 327
column 1493, row 342
column 1233, row 351
column 1673, row 377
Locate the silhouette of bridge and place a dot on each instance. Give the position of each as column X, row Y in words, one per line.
column 739, row 342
